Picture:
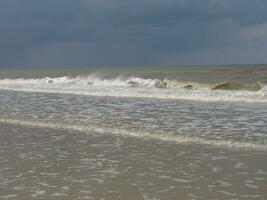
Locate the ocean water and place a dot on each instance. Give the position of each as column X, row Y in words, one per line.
column 196, row 132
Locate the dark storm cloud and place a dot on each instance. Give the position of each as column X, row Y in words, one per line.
column 123, row 32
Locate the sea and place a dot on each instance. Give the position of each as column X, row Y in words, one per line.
column 140, row 132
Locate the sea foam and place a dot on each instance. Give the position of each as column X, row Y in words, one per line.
column 139, row 87
column 178, row 139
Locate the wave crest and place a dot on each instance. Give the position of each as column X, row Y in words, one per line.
column 137, row 82
column 237, row 86
column 139, row 87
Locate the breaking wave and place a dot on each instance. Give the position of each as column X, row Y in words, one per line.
column 178, row 139
column 140, row 87
column 238, row 86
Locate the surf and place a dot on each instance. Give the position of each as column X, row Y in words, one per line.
column 136, row 87
column 171, row 138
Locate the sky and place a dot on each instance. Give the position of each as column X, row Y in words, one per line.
column 80, row 33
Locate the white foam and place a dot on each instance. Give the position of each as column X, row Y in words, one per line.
column 264, row 89
column 178, row 139
column 121, row 87
column 92, row 79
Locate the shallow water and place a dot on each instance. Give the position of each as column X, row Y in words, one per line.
column 43, row 163
column 236, row 124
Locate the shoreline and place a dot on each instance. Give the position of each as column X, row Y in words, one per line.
column 68, row 164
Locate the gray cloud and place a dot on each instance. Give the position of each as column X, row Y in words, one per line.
column 70, row 33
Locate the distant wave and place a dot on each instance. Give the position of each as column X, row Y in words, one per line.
column 94, row 79
column 179, row 139
column 238, row 86
column 139, row 87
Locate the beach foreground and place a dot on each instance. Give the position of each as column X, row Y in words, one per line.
column 45, row 163
column 193, row 133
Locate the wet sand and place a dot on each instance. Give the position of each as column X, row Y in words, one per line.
column 45, row 163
